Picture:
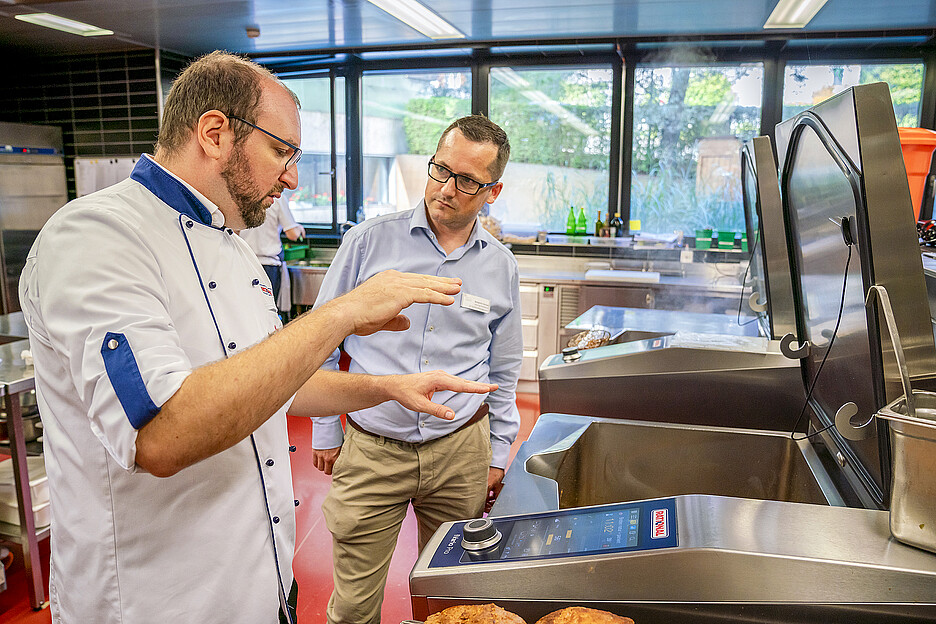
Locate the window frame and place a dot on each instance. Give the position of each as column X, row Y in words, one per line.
column 624, row 55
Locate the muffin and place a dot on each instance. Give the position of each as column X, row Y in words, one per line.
column 582, row 615
column 475, row 614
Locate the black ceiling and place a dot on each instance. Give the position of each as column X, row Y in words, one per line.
column 191, row 27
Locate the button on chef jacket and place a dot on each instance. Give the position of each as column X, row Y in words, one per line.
column 125, row 291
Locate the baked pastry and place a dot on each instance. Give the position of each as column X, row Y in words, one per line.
column 583, row 615
column 475, row 614
column 590, row 338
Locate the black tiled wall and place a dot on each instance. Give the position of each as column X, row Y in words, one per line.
column 106, row 104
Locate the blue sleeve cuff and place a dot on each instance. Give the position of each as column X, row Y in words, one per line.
column 124, row 375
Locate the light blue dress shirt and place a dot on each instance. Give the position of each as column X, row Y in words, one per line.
column 475, row 345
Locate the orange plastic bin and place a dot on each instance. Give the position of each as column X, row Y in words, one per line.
column 917, row 145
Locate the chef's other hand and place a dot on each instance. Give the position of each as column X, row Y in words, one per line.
column 415, row 391
column 494, row 486
column 376, row 304
column 324, row 459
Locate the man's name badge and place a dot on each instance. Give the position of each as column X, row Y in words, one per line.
column 473, row 302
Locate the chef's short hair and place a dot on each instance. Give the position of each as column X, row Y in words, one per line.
column 480, row 129
column 216, row 81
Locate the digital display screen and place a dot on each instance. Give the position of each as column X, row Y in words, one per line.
column 578, row 533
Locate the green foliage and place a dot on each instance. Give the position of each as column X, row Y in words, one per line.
column 560, row 193
column 428, row 119
column 666, row 200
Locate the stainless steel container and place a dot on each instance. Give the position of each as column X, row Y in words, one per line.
column 913, row 479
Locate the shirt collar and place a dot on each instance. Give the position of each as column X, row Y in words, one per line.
column 420, row 220
column 176, row 192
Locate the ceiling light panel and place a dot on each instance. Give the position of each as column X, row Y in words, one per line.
column 793, row 13
column 419, row 17
column 63, row 24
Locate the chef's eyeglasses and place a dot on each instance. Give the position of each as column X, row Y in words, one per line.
column 466, row 185
column 296, row 154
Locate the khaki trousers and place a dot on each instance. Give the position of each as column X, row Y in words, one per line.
column 373, row 481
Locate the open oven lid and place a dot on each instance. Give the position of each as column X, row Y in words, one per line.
column 844, row 188
column 771, row 295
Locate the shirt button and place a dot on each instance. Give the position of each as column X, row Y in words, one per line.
column 255, row 282
column 431, row 328
column 422, row 424
column 292, row 448
column 425, row 361
column 189, row 224
column 270, row 462
column 112, row 344
column 296, row 502
column 212, row 285
column 232, row 345
column 275, row 519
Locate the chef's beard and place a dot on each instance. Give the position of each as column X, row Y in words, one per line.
column 250, row 201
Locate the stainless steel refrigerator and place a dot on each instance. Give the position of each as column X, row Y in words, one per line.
column 32, row 187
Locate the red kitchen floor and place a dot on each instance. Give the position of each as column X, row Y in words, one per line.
column 312, row 564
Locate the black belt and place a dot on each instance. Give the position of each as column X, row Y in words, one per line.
column 481, row 413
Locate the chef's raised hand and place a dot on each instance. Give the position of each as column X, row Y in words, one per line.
column 376, row 304
column 415, row 391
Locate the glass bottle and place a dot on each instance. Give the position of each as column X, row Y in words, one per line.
column 581, row 225
column 617, row 226
column 570, row 222
column 599, row 224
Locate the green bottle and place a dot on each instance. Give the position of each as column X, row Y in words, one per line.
column 581, row 226
column 570, row 222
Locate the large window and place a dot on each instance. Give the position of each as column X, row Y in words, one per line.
column 313, row 201
column 558, row 121
column 689, row 124
column 805, row 85
column 404, row 115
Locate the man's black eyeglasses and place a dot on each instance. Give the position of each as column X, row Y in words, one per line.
column 466, row 185
column 297, row 153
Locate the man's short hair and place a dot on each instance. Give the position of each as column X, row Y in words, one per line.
column 480, row 129
column 216, row 81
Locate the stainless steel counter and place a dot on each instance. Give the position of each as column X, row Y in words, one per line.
column 17, row 377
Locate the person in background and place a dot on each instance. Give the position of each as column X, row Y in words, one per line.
column 163, row 373
column 266, row 242
column 392, row 455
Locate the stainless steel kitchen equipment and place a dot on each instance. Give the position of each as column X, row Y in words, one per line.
column 32, row 187
column 766, row 527
column 689, row 367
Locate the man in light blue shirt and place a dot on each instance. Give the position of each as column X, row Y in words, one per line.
column 390, row 456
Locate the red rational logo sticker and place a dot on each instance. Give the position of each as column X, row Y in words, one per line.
column 266, row 291
column 659, row 526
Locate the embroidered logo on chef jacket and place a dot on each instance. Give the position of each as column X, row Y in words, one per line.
column 474, row 302
column 266, row 290
column 659, row 524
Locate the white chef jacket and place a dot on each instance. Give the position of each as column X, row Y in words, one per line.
column 125, row 291
column 266, row 243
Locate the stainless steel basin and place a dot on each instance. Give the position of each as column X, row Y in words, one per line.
column 627, row 460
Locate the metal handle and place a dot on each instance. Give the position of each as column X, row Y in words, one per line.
column 791, row 352
column 756, row 305
column 888, row 312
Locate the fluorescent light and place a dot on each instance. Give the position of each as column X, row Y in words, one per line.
column 64, row 24
column 417, row 16
column 793, row 13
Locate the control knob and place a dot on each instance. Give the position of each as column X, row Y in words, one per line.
column 570, row 354
column 480, row 534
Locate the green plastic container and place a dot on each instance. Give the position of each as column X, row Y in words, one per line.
column 703, row 239
column 744, row 246
column 726, row 239
column 294, row 252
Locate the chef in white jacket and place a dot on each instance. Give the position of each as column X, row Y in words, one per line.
column 163, row 373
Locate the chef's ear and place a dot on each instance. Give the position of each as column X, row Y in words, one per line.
column 493, row 192
column 214, row 133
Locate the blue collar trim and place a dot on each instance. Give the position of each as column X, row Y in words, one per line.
column 161, row 184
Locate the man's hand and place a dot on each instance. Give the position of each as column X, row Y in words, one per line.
column 415, row 391
column 376, row 304
column 324, row 459
column 494, row 486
